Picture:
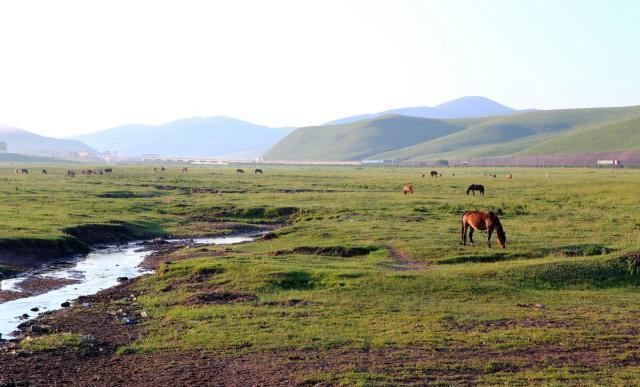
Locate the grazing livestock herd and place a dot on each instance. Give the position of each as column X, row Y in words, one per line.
column 475, row 220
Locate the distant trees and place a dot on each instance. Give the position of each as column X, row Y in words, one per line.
column 3, row 146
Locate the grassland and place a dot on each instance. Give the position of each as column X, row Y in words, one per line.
column 368, row 286
column 408, row 138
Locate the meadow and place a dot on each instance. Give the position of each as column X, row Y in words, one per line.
column 365, row 284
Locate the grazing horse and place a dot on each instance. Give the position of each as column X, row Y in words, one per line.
column 434, row 174
column 258, row 170
column 407, row 189
column 477, row 220
column 509, row 176
column 71, row 173
column 240, row 171
column 184, row 170
column 476, row 187
column 44, row 172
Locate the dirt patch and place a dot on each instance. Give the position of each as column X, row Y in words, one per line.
column 398, row 366
column 332, row 251
column 26, row 253
column 221, row 297
column 294, row 302
column 92, row 234
column 8, row 295
column 404, row 261
column 128, row 195
column 34, row 286
column 474, row 325
column 39, row 285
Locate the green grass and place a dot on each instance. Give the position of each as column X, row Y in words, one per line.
column 54, row 341
column 567, row 238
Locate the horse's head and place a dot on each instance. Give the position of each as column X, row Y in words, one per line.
column 502, row 237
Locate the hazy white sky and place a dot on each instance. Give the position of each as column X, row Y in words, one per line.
column 69, row 67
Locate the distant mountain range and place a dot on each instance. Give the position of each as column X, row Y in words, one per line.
column 23, row 142
column 195, row 137
column 463, row 128
column 464, row 107
column 396, row 137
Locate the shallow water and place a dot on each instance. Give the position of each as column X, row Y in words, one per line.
column 96, row 271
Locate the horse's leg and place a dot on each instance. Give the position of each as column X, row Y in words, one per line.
column 463, row 232
column 489, row 232
column 471, row 235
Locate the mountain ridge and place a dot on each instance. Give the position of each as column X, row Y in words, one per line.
column 557, row 131
column 216, row 136
column 463, row 107
column 23, row 142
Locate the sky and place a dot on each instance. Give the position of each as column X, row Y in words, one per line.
column 72, row 67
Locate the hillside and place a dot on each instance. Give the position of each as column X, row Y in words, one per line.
column 27, row 143
column 550, row 131
column 197, row 137
column 464, row 107
column 616, row 136
column 358, row 140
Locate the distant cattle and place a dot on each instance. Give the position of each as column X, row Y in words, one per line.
column 424, row 175
column 23, row 171
column 162, row 169
column 240, row 171
column 108, row 170
column 509, row 176
column 44, row 172
column 434, row 174
column 71, row 173
column 258, row 170
column 407, row 189
column 184, row 170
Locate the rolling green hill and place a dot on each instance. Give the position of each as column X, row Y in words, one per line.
column 548, row 131
column 358, row 140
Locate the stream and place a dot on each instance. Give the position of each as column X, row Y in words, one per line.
column 91, row 273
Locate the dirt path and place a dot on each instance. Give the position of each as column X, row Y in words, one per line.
column 404, row 261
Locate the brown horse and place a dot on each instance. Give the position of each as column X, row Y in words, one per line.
column 477, row 220
column 408, row 189
column 509, row 176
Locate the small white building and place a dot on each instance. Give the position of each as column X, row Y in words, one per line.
column 609, row 163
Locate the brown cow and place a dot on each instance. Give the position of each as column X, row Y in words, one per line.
column 408, row 188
